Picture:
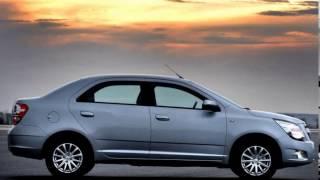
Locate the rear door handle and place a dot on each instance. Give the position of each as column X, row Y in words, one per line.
column 162, row 118
column 86, row 114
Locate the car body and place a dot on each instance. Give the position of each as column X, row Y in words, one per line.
column 153, row 120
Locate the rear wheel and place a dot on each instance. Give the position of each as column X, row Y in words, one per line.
column 69, row 158
column 254, row 160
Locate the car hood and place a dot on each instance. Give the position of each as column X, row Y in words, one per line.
column 264, row 114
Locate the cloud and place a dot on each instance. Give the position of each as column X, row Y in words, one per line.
column 57, row 32
column 60, row 32
column 311, row 8
column 266, row 30
column 185, row 1
column 225, row 39
column 310, row 11
column 299, row 34
column 137, row 36
column 276, row 1
column 9, row 11
column 12, row 16
column 309, row 3
column 159, row 29
column 28, row 29
column 46, row 23
column 13, row 21
column 50, row 20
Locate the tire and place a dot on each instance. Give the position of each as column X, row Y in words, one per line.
column 69, row 157
column 247, row 162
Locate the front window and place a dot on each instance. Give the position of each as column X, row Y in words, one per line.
column 173, row 97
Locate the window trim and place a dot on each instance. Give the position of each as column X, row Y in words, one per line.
column 148, row 86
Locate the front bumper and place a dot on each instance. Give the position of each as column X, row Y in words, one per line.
column 299, row 153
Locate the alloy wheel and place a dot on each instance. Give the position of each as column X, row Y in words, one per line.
column 256, row 160
column 67, row 158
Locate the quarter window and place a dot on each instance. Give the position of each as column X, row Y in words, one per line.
column 173, row 97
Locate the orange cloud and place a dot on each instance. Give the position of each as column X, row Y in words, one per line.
column 123, row 12
column 154, row 25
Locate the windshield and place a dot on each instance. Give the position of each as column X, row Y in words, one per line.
column 220, row 96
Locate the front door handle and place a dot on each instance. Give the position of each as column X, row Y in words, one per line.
column 162, row 118
column 86, row 114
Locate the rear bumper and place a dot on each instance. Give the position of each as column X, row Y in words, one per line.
column 26, row 141
column 25, row 146
column 26, row 152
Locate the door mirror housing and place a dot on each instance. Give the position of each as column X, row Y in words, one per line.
column 211, row 106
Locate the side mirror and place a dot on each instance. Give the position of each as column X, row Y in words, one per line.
column 211, row 106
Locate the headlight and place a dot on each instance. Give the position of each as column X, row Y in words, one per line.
column 291, row 129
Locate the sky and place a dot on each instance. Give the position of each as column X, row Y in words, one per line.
column 262, row 54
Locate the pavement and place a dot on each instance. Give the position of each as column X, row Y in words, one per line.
column 18, row 168
column 5, row 127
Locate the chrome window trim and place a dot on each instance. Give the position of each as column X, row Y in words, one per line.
column 159, row 153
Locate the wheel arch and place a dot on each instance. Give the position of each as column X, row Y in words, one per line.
column 254, row 137
column 66, row 133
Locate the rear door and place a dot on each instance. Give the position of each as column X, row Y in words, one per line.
column 115, row 115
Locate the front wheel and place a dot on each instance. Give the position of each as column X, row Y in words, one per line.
column 254, row 161
column 69, row 158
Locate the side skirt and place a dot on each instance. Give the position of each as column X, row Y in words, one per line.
column 166, row 163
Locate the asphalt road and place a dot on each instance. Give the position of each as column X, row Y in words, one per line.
column 12, row 167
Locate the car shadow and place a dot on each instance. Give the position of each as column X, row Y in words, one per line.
column 110, row 177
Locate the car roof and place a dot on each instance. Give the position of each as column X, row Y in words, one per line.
column 76, row 84
column 137, row 76
column 69, row 89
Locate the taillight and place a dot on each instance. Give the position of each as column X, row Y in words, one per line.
column 19, row 111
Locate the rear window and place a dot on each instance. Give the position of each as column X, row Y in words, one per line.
column 115, row 92
column 120, row 94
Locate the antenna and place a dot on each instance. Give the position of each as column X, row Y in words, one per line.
column 172, row 70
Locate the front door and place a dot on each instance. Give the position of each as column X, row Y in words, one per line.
column 181, row 129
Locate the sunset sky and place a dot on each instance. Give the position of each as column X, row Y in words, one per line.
column 265, row 49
